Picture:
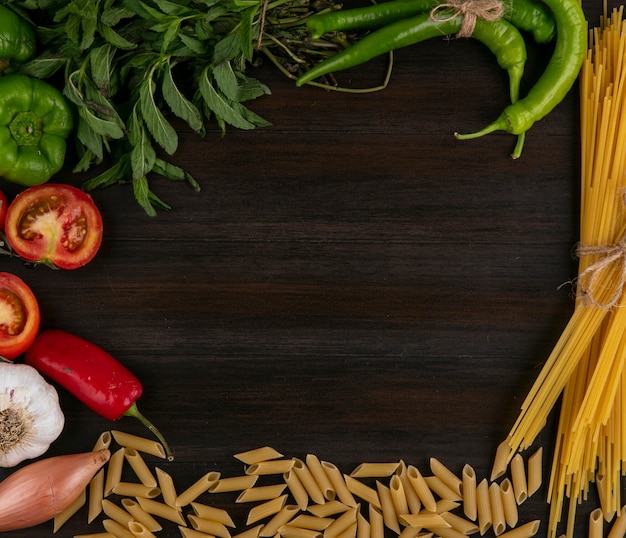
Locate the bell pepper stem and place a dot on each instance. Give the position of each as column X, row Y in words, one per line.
column 133, row 411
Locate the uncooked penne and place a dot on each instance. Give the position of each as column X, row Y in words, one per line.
column 96, row 494
column 447, row 532
column 606, row 498
column 498, row 520
column 462, row 525
column 139, row 514
column 412, row 499
column 339, row 484
column 468, row 485
column 596, row 524
column 234, row 483
column 114, row 471
column 438, row 486
column 187, row 532
column 291, row 531
column 308, row 481
column 377, row 523
column 212, row 512
column 162, row 510
column 103, row 441
column 398, row 497
column 135, row 489
column 483, row 506
column 424, row 520
column 361, row 490
column 139, row 530
column 117, row 530
column 104, row 534
column 501, row 460
column 297, row 489
column 306, row 521
column 270, row 467
column 261, row 493
column 62, row 518
column 518, row 478
column 256, row 455
column 452, row 481
column 167, row 487
column 386, row 505
column 417, row 481
column 200, row 486
column 116, row 513
column 320, row 476
column 267, row 509
column 509, row 503
column 349, row 532
column 618, row 527
column 535, row 471
column 214, row 528
column 328, row 509
column 252, row 532
column 343, row 522
column 374, row 470
column 284, row 516
column 363, row 528
column 138, row 464
column 523, row 531
column 141, row 444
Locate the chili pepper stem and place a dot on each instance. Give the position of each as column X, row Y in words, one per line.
column 499, row 125
column 133, row 411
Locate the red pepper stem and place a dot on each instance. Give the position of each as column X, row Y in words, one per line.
column 133, row 411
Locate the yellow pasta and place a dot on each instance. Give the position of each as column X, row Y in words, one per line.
column 62, row 518
column 535, row 471
column 447, row 477
column 187, row 532
column 374, row 470
column 523, row 531
column 267, row 509
column 606, row 498
column 416, row 479
column 306, row 521
column 95, row 535
column 349, row 532
column 439, row 487
column 234, row 483
column 518, row 478
column 412, row 499
column 139, row 530
column 509, row 503
column 498, row 520
column 96, row 494
column 363, row 528
column 200, row 486
column 282, row 517
column 460, row 524
column 308, row 481
column 424, row 520
column 261, row 493
column 214, row 528
column 213, row 513
column 167, row 487
column 103, row 441
column 296, row 488
column 292, row 531
column 483, row 505
column 338, row 484
column 501, row 460
column 596, row 524
column 398, row 497
column 139, row 514
column 114, row 471
column 342, row 523
column 141, row 444
column 252, row 532
column 377, row 523
column 365, row 492
column 161, row 510
column 117, row 530
column 618, row 528
column 116, row 513
column 250, row 457
column 134, row 489
column 328, row 509
column 137, row 463
column 320, row 476
column 468, row 480
column 270, row 467
column 386, row 505
column 448, row 532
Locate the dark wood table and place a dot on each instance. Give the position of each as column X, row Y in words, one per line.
column 351, row 282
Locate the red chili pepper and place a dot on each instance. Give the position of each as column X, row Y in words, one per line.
column 91, row 374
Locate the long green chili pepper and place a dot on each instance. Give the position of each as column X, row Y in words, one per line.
column 528, row 15
column 501, row 38
column 555, row 82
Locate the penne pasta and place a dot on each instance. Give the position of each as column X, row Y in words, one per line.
column 139, row 514
column 386, row 505
column 114, row 471
column 138, row 465
column 167, row 487
column 398, row 497
column 342, row 523
column 412, row 532
column 596, row 524
column 339, row 484
column 233, row 483
column 211, row 512
column 483, row 506
column 308, row 481
column 270, row 467
column 297, row 489
column 606, row 498
column 162, row 510
column 214, row 528
column 104, row 534
column 438, row 486
column 186, row 532
column 518, row 478
column 468, row 487
column 252, row 532
column 96, row 495
column 62, row 518
column 412, row 499
column 117, row 530
column 509, row 503
column 307, row 521
column 535, row 471
column 350, row 532
column 460, row 524
column 365, row 492
column 267, row 509
column 134, row 489
column 420, row 486
column 284, row 516
column 523, row 531
column 447, row 532
column 139, row 530
column 363, row 529
column 116, row 513
column 498, row 521
column 501, row 460
column 141, row 444
column 261, row 493
column 424, row 520
column 320, row 476
column 447, row 477
column 250, row 457
column 200, row 486
column 618, row 528
column 103, row 441
column 377, row 523
column 328, row 509
column 374, row 470
column 292, row 531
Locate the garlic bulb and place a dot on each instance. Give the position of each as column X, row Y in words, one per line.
column 30, row 414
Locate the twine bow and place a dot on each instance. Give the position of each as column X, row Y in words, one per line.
column 609, row 254
column 489, row 10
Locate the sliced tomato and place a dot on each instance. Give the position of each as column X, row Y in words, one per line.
column 55, row 224
column 19, row 316
column 4, row 204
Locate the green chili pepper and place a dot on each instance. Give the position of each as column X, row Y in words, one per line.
column 528, row 15
column 501, row 37
column 555, row 82
column 17, row 39
column 35, row 120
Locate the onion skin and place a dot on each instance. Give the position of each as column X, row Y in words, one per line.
column 41, row 490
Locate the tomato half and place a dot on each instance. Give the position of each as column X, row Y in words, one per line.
column 4, row 204
column 56, row 224
column 19, row 316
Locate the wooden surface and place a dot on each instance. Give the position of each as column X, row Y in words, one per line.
column 351, row 282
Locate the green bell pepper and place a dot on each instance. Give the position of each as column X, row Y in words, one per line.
column 17, row 39
column 35, row 120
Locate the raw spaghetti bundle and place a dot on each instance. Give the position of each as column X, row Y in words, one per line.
column 586, row 366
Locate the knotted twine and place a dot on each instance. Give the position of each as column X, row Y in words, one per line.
column 489, row 10
column 609, row 254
